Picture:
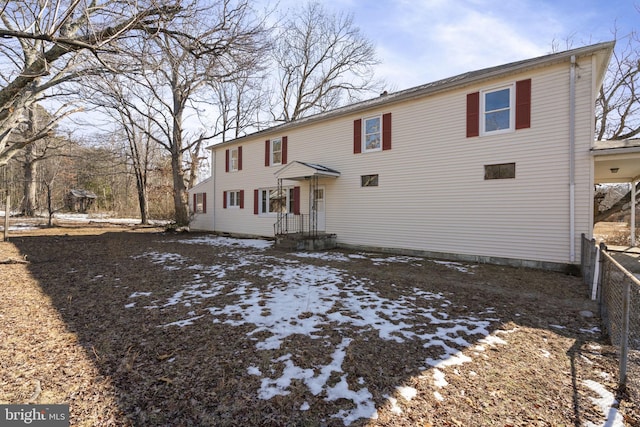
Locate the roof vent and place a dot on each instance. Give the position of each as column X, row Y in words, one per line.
column 385, row 93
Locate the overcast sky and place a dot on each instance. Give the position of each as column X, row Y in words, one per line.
column 420, row 41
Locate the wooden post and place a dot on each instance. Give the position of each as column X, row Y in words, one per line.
column 624, row 339
column 7, row 213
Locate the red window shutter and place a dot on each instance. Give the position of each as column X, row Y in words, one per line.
column 224, row 200
column 241, row 199
column 473, row 114
column 204, row 202
column 523, row 104
column 226, row 160
column 296, row 200
column 284, row 150
column 357, row 136
column 386, row 131
column 195, row 202
column 267, row 152
column 256, row 199
column 239, row 158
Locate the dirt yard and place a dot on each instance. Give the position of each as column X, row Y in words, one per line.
column 136, row 327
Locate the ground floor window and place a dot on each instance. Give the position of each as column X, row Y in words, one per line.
column 233, row 199
column 273, row 201
column 200, row 203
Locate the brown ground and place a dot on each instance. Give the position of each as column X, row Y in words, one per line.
column 66, row 337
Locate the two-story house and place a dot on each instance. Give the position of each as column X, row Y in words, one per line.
column 492, row 165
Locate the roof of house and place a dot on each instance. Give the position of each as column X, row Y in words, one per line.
column 605, row 49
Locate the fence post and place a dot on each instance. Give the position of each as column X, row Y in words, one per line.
column 624, row 339
column 7, row 214
column 595, row 272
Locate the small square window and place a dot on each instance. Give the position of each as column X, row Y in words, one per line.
column 369, row 180
column 500, row 171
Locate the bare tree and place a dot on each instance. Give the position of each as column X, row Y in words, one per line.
column 322, row 61
column 618, row 103
column 223, row 37
column 47, row 43
column 35, row 153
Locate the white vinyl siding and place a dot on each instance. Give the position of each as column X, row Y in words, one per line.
column 434, row 196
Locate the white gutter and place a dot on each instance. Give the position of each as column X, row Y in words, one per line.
column 572, row 143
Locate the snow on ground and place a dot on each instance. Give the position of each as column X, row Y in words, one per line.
column 306, row 299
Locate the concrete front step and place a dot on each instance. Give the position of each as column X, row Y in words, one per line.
column 306, row 243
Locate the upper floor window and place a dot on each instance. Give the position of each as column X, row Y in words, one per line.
column 275, row 151
column 233, row 159
column 372, row 134
column 497, row 110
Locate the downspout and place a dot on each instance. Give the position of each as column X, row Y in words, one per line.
column 633, row 211
column 213, row 196
column 572, row 166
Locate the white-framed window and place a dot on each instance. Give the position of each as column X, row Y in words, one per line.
column 372, row 134
column 234, row 159
column 273, row 201
column 497, row 110
column 276, row 151
column 233, row 199
column 200, row 200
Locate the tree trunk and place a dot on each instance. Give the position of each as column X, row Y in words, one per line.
column 29, row 204
column 180, row 194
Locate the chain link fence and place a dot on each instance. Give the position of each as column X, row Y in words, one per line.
column 618, row 293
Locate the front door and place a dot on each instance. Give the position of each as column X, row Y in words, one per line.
column 319, row 202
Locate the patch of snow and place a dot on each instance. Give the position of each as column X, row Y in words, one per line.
column 593, row 330
column 395, row 409
column 438, row 396
column 606, row 403
column 304, row 299
column 545, row 353
column 305, row 406
column 252, row 370
column 184, row 322
column 558, row 326
column 324, row 256
column 456, row 266
column 398, row 258
column 139, row 294
column 131, row 305
column 407, row 393
column 439, row 378
column 259, row 244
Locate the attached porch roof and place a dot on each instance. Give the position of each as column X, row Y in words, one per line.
column 298, row 171
column 616, row 161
